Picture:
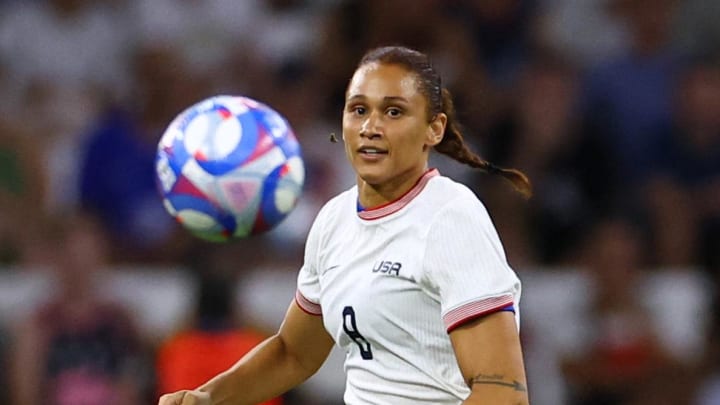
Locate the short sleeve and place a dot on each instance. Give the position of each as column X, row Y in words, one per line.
column 465, row 264
column 307, row 294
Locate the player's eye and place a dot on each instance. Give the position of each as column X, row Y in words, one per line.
column 357, row 110
column 393, row 112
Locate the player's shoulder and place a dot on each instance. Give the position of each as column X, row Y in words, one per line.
column 443, row 191
column 337, row 205
column 450, row 201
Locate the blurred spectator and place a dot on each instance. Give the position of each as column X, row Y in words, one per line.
column 582, row 31
column 200, row 33
column 696, row 29
column 239, row 45
column 215, row 339
column 542, row 134
column 67, row 44
column 77, row 348
column 22, row 189
column 280, row 34
column 64, row 57
column 117, row 178
column 623, row 361
column 64, row 60
column 627, row 98
column 500, row 30
column 683, row 188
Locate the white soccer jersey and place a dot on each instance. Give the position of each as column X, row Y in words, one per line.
column 391, row 282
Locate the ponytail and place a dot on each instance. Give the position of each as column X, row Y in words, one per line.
column 453, row 145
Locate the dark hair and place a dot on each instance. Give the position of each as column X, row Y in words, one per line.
column 440, row 101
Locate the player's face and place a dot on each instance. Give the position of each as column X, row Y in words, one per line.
column 386, row 129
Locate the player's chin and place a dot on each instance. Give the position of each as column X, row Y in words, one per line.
column 372, row 175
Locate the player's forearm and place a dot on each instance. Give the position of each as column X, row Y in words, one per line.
column 266, row 372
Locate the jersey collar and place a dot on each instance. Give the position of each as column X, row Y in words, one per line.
column 398, row 204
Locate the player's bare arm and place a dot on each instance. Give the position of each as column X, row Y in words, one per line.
column 490, row 358
column 275, row 366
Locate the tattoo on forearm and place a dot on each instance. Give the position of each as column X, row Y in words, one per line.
column 496, row 379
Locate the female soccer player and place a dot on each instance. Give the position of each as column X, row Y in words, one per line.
column 404, row 271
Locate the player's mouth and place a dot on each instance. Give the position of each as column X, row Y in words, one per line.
column 372, row 153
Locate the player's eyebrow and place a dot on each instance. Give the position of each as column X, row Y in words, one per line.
column 396, row 99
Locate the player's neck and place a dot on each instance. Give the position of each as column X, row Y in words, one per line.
column 371, row 196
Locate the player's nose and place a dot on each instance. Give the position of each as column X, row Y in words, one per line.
column 371, row 127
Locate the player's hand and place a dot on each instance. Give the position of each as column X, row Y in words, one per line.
column 185, row 398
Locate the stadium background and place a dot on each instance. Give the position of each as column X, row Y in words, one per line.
column 612, row 107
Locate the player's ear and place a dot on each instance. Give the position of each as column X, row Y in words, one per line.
column 436, row 129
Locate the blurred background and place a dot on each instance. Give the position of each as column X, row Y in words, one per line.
column 612, row 107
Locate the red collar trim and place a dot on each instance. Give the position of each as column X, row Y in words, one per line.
column 396, row 205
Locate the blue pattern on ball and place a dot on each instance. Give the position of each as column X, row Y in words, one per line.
column 188, row 202
column 244, row 149
column 271, row 214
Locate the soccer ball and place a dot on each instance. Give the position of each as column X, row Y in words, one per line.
column 229, row 167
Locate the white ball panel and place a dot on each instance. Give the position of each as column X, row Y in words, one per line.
column 285, row 198
column 264, row 164
column 297, row 170
column 197, row 220
column 195, row 133
column 225, row 139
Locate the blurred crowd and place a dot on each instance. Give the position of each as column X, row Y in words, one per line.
column 612, row 108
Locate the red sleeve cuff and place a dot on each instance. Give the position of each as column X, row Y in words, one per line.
column 476, row 309
column 307, row 305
